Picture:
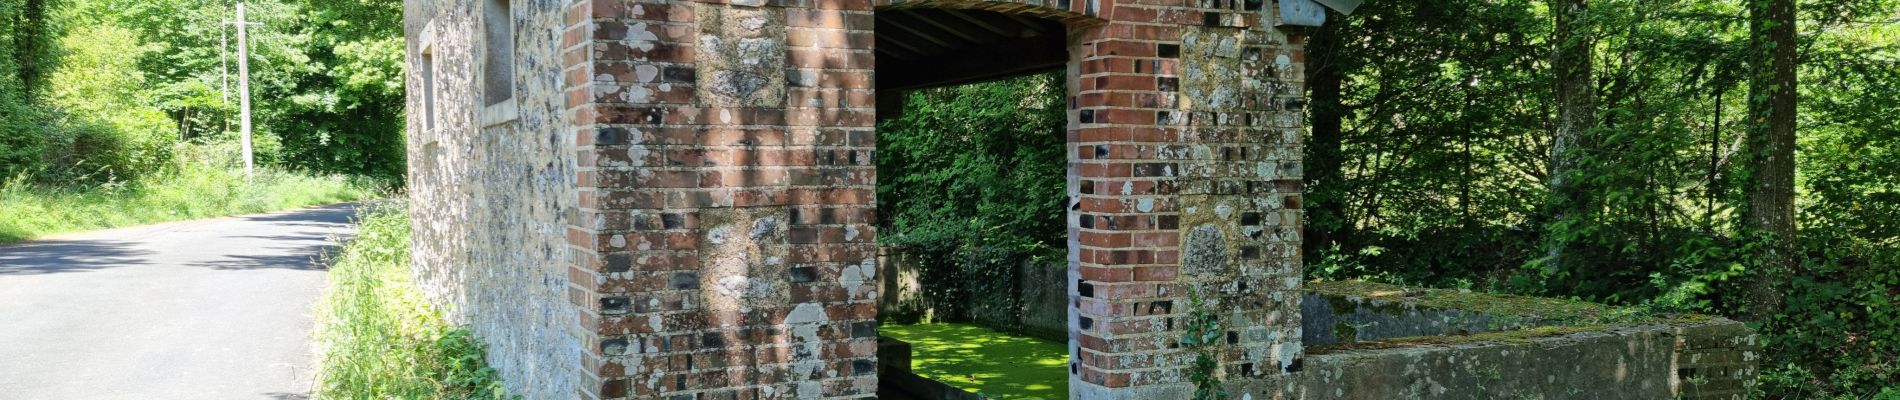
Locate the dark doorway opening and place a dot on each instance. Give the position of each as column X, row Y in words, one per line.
column 973, row 165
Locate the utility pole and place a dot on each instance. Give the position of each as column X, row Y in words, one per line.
column 244, row 87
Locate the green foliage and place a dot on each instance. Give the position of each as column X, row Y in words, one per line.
column 136, row 77
column 1444, row 161
column 108, row 132
column 1202, row 334
column 191, row 191
column 348, row 113
column 379, row 338
column 971, row 185
column 26, row 38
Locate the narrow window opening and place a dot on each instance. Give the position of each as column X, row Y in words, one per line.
column 498, row 74
column 428, row 88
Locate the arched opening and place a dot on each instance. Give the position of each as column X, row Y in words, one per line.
column 974, row 181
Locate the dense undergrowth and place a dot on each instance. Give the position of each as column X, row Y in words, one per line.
column 29, row 209
column 379, row 338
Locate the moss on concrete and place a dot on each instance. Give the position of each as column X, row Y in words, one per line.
column 1550, row 317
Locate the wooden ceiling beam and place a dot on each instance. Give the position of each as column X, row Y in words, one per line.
column 990, row 62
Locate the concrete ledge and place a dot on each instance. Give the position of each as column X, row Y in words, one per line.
column 1713, row 360
column 1474, row 345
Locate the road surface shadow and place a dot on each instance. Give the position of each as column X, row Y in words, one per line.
column 299, row 240
column 55, row 256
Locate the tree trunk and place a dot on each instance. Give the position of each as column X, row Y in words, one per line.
column 1326, row 222
column 1571, row 60
column 1769, row 213
column 32, row 33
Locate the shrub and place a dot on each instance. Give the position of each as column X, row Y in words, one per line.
column 380, row 338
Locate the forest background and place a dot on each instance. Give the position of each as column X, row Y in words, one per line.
column 118, row 112
column 1731, row 157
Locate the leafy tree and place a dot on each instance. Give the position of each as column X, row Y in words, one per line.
column 1572, row 61
column 969, row 184
column 1771, row 140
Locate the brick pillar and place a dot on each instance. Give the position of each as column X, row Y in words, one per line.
column 725, row 225
column 1186, row 173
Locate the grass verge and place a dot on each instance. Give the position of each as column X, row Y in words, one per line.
column 987, row 362
column 29, row 210
column 379, row 338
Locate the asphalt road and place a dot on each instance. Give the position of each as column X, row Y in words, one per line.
column 210, row 309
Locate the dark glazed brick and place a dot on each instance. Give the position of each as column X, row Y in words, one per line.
column 614, row 347
column 679, row 75
column 711, row 340
column 1210, row 19
column 866, row 329
column 615, row 305
column 1085, row 289
column 1085, row 323
column 803, row 274
column 1167, row 50
column 619, row 263
column 673, row 221
column 863, row 367
column 610, row 136
column 1087, row 117
column 684, row 280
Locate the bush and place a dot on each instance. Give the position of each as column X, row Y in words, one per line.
column 379, row 338
column 106, row 132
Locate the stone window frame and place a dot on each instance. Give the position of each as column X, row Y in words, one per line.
column 505, row 110
column 431, row 121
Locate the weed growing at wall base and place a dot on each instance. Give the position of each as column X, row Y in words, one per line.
column 379, row 338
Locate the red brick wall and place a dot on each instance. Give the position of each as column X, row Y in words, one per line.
column 726, row 209
column 723, row 229
column 1187, row 162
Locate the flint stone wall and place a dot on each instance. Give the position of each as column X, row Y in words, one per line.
column 491, row 203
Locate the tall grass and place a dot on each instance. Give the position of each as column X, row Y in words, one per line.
column 29, row 209
column 380, row 338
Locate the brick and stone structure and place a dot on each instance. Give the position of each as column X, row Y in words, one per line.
column 675, row 198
